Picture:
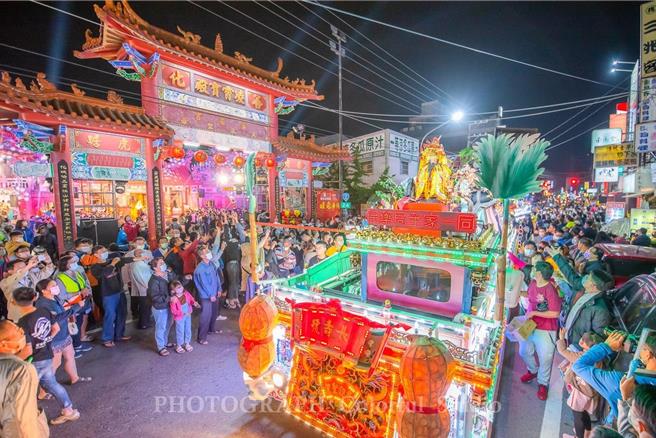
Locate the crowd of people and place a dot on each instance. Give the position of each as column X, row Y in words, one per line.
column 50, row 300
column 565, row 281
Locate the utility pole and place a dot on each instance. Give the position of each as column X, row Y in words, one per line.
column 336, row 47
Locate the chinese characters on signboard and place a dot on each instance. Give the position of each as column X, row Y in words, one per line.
column 607, row 174
column 102, row 142
column 423, row 220
column 157, row 201
column 327, row 206
column 614, row 210
column 603, row 137
column 615, row 155
column 368, row 146
column 648, row 39
column 403, row 147
column 645, row 137
column 65, row 203
column 648, row 100
column 293, row 178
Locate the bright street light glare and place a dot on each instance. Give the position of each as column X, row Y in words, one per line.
column 612, row 70
column 457, row 116
column 615, row 62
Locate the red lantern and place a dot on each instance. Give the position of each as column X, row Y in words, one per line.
column 200, row 156
column 239, row 161
column 258, row 162
column 270, row 162
column 219, row 159
column 177, row 152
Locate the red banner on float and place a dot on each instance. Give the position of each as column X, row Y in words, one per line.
column 327, row 204
column 423, row 220
column 326, row 327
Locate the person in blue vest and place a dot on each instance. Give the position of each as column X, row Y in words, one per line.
column 607, row 382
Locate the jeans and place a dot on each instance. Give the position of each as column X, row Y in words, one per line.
column 250, row 289
column 140, row 310
column 542, row 342
column 209, row 312
column 163, row 323
column 115, row 307
column 183, row 330
column 48, row 381
column 79, row 316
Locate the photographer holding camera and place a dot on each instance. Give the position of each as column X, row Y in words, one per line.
column 607, row 382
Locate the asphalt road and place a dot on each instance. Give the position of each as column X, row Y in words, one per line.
column 136, row 393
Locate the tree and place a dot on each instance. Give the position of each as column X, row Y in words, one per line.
column 354, row 184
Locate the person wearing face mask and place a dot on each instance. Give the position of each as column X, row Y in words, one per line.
column 530, row 251
column 163, row 248
column 19, row 414
column 140, row 274
column 74, row 284
column 208, row 287
column 83, row 246
column 16, row 241
column 609, row 382
column 40, row 328
column 130, row 228
column 158, row 291
column 182, row 304
column 62, row 343
column 18, row 275
column 637, row 410
column 47, row 240
column 139, row 244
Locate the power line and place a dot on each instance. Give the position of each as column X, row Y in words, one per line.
column 310, row 50
column 448, row 96
column 309, row 104
column 577, row 136
column 404, row 89
column 451, row 43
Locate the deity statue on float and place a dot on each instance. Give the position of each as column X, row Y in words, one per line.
column 433, row 180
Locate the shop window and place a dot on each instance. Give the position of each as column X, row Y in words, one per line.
column 404, row 167
column 417, row 281
column 368, row 167
column 100, row 199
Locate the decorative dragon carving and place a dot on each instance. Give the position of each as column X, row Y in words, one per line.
column 6, row 78
column 278, row 69
column 44, row 84
column 114, row 97
column 242, row 58
column 189, row 36
column 89, row 40
column 77, row 91
column 20, row 85
column 218, row 44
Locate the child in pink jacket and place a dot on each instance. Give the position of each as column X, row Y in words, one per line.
column 182, row 304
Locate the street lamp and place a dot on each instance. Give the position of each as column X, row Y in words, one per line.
column 613, row 70
column 616, row 62
column 456, row 117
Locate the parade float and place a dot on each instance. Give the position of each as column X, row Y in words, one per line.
column 397, row 335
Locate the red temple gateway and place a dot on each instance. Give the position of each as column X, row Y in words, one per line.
column 101, row 165
column 220, row 106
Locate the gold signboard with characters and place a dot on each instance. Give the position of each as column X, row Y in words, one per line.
column 648, row 39
column 615, row 155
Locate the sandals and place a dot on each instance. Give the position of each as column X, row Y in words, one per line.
column 87, row 338
column 63, row 418
column 163, row 352
column 109, row 344
column 46, row 396
column 203, row 342
column 188, row 347
column 81, row 379
column 125, row 338
column 179, row 349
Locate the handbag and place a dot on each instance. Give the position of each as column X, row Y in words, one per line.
column 72, row 327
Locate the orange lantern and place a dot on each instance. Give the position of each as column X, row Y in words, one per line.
column 270, row 162
column 258, row 161
column 219, row 159
column 200, row 156
column 426, row 371
column 256, row 358
column 412, row 424
column 257, row 318
column 178, row 152
column 239, row 161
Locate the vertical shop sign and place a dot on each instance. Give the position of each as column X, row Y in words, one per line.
column 63, row 179
column 648, row 39
column 157, row 201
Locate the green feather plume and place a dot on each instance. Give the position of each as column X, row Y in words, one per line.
column 509, row 168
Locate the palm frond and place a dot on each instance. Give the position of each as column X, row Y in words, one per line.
column 510, row 169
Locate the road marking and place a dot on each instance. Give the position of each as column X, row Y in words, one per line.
column 554, row 407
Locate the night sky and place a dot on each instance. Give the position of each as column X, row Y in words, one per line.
column 579, row 38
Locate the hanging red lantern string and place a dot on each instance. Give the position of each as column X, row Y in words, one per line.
column 270, row 162
column 200, row 156
column 177, row 152
column 239, row 161
column 219, row 159
column 258, row 162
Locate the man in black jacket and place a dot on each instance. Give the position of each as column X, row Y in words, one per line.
column 158, row 291
column 114, row 302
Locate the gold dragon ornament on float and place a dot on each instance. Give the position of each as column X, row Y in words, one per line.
column 433, row 180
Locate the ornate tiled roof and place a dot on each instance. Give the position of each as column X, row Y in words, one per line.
column 43, row 97
column 121, row 23
column 308, row 149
